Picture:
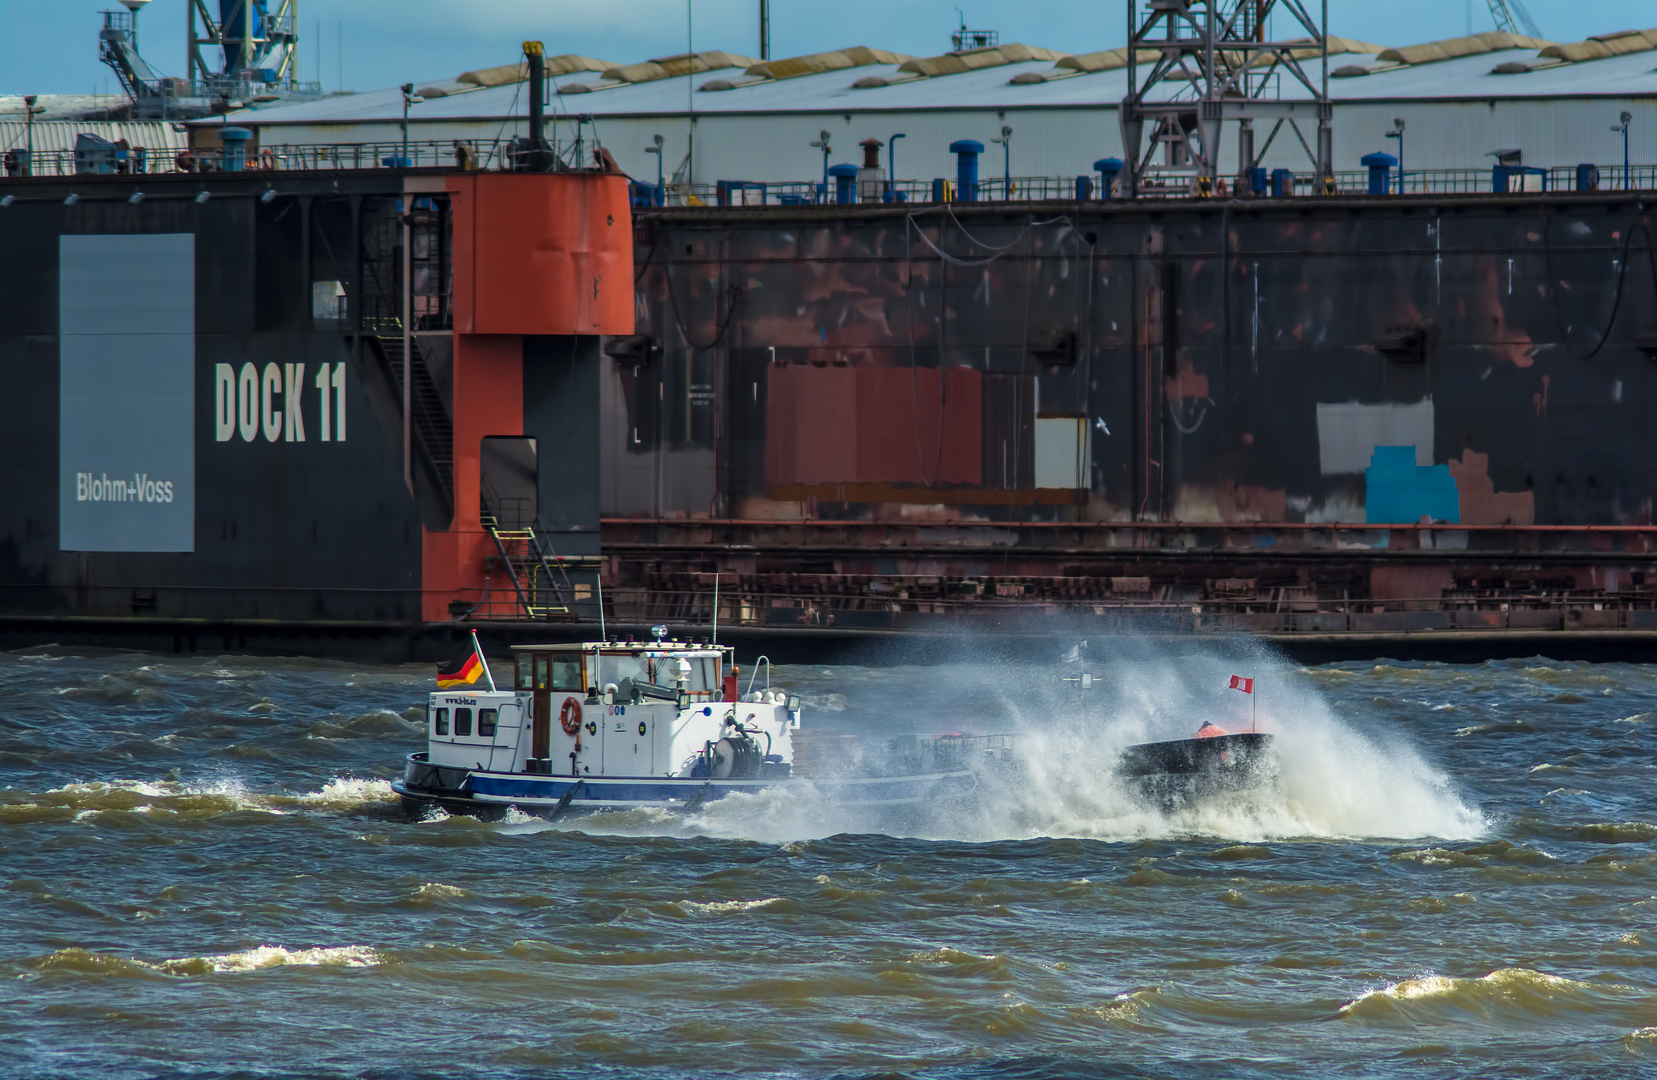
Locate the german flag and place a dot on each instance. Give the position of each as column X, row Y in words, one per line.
column 462, row 673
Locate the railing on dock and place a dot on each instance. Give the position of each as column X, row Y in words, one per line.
column 818, row 601
column 452, row 154
column 499, row 154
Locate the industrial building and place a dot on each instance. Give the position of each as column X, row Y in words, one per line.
column 722, row 116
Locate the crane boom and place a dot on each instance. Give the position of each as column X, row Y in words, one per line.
column 1510, row 15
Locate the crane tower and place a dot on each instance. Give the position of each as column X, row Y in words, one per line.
column 1196, row 65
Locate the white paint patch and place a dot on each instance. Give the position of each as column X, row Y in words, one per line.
column 1349, row 433
column 1061, row 451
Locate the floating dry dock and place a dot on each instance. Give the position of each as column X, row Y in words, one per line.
column 384, row 401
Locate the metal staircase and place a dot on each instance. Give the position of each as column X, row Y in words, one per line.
column 378, row 319
column 535, row 568
column 433, row 430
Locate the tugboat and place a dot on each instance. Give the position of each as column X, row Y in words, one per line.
column 614, row 725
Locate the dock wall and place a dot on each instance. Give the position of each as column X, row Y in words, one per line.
column 1386, row 414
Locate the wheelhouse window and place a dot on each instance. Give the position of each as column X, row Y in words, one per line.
column 704, row 674
column 463, row 722
column 440, row 721
column 613, row 668
column 549, row 671
column 486, row 722
column 566, row 672
column 661, row 671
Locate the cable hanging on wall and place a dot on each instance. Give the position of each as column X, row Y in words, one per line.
column 1638, row 225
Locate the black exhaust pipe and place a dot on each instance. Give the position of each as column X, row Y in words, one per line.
column 536, row 158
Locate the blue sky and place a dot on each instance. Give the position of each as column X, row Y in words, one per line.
column 52, row 46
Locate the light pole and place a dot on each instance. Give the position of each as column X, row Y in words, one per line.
column 408, row 99
column 892, row 163
column 1623, row 127
column 657, row 150
column 1397, row 132
column 823, row 143
column 1006, row 141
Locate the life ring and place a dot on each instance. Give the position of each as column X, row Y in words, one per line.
column 569, row 717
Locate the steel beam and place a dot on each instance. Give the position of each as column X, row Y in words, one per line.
column 1210, row 64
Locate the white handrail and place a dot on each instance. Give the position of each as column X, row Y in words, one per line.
column 766, row 660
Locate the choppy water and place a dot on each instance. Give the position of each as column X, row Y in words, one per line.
column 204, row 874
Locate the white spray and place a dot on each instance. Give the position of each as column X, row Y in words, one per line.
column 1338, row 776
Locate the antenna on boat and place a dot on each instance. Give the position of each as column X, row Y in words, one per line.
column 599, row 577
column 716, row 607
column 487, row 673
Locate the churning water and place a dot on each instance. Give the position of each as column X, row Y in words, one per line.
column 205, row 874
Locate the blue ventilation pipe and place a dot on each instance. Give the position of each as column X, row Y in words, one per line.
column 966, row 153
column 845, row 183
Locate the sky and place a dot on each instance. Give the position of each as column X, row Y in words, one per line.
column 51, row 46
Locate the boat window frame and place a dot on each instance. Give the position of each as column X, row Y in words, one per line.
column 440, row 720
column 492, row 722
column 551, row 671
column 463, row 724
column 579, row 669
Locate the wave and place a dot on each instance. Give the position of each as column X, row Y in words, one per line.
column 1614, row 832
column 1508, row 998
column 172, row 798
column 343, row 793
column 1496, row 727
column 88, row 962
column 732, row 907
column 270, row 956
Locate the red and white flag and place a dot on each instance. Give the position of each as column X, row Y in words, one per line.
column 1240, row 683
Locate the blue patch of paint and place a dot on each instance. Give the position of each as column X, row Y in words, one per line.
column 1400, row 491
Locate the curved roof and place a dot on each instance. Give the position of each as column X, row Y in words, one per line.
column 1496, row 65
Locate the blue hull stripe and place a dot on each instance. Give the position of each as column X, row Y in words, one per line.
column 502, row 788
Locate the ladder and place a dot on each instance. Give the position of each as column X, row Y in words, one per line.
column 524, row 548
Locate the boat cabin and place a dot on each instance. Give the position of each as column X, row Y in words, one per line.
column 663, row 708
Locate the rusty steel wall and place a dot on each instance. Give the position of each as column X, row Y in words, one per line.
column 1228, row 387
column 1232, row 362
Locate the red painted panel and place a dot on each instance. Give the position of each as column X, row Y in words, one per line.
column 825, row 424
column 542, row 253
column 829, row 425
column 780, row 410
column 917, row 428
column 888, row 446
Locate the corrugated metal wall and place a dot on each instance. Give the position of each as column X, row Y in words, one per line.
column 58, row 135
